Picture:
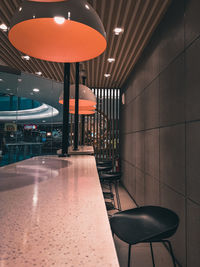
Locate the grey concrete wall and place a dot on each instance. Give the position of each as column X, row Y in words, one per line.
column 160, row 126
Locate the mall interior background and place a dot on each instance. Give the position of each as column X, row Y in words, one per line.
column 31, row 119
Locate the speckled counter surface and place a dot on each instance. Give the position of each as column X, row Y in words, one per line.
column 52, row 213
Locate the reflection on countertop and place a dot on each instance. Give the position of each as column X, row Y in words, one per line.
column 19, row 175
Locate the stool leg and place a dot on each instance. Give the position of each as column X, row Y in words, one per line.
column 117, row 196
column 111, row 191
column 129, row 255
column 152, row 254
column 171, row 252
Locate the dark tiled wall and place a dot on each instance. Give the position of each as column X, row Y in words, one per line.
column 160, row 131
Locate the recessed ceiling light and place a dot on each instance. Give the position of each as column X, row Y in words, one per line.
column 1, row 80
column 87, row 6
column 111, row 59
column 25, row 57
column 38, row 72
column 19, row 80
column 36, row 90
column 8, row 89
column 43, row 121
column 20, row 8
column 118, row 30
column 3, row 27
column 107, row 75
column 59, row 20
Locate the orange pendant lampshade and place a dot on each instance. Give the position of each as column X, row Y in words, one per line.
column 87, row 100
column 59, row 31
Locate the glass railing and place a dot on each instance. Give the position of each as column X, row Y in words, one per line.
column 30, row 117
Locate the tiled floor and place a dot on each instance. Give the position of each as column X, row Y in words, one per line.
column 140, row 254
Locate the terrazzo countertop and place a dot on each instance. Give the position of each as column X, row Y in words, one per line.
column 52, row 213
column 82, row 150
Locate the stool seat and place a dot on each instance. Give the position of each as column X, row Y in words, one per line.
column 110, row 176
column 104, row 168
column 104, row 163
column 144, row 224
column 109, row 195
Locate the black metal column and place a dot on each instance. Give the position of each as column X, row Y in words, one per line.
column 65, row 134
column 83, row 121
column 83, row 129
column 76, row 107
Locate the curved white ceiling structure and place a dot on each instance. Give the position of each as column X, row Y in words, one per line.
column 42, row 112
column 47, row 92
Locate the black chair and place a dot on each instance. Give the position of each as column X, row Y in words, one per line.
column 147, row 224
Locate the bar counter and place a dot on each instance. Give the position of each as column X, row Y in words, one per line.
column 52, row 213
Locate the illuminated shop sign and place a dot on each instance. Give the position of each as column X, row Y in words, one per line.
column 10, row 127
column 30, row 127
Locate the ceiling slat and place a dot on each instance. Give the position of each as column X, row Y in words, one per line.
column 139, row 18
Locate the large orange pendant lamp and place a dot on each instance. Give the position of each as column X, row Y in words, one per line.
column 87, row 100
column 59, row 31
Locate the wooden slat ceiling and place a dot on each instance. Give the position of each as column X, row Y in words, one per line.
column 138, row 18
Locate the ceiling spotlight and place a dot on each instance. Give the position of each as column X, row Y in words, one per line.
column 38, row 73
column 107, row 75
column 1, row 80
column 8, row 89
column 25, row 57
column 3, row 27
column 110, row 60
column 117, row 31
column 59, row 20
column 19, row 80
column 87, row 6
column 36, row 90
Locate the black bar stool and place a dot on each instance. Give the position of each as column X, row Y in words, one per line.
column 102, row 168
column 109, row 177
column 147, row 224
column 112, row 178
column 104, row 162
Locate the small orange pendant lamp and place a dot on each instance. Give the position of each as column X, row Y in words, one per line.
column 59, row 31
column 87, row 100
